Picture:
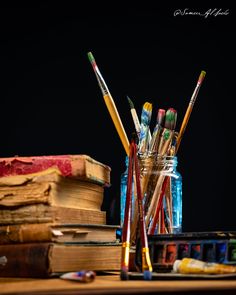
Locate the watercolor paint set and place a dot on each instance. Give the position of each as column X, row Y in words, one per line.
column 164, row 249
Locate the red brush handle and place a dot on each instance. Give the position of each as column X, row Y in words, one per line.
column 140, row 202
column 127, row 217
column 159, row 205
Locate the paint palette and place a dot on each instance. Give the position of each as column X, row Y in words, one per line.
column 219, row 247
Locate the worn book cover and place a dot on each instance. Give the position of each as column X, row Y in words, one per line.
column 38, row 260
column 76, row 166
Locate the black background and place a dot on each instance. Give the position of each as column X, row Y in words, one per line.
column 51, row 102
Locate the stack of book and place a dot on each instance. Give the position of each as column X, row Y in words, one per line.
column 51, row 220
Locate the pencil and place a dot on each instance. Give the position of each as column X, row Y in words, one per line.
column 190, row 108
column 110, row 105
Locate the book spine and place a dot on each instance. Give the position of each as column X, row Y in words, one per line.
column 25, row 233
column 25, row 260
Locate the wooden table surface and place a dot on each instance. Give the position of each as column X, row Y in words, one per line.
column 111, row 284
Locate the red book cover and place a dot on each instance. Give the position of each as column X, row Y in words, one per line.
column 77, row 166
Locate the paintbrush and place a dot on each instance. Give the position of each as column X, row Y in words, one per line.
column 164, row 147
column 144, row 129
column 149, row 162
column 146, row 261
column 134, row 116
column 142, row 150
column 168, row 131
column 190, row 108
column 157, row 131
column 151, row 229
column 110, row 104
column 136, row 119
column 127, row 220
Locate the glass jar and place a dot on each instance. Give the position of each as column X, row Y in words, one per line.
column 162, row 193
column 161, row 185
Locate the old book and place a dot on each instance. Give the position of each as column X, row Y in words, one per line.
column 76, row 166
column 41, row 213
column 48, row 259
column 52, row 188
column 59, row 233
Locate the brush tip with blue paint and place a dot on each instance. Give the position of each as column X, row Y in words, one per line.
column 124, row 276
column 147, row 275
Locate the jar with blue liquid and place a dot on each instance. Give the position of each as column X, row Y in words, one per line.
column 155, row 171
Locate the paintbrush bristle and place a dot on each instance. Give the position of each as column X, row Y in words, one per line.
column 92, row 60
column 124, row 276
column 168, row 119
column 201, row 77
column 161, row 117
column 90, row 57
column 130, row 103
column 147, row 106
column 146, row 113
column 147, row 275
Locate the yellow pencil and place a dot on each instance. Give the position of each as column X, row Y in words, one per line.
column 110, row 105
column 189, row 109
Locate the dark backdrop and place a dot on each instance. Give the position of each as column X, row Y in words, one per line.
column 51, row 102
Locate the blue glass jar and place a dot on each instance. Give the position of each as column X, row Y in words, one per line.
column 155, row 170
column 162, row 189
column 176, row 188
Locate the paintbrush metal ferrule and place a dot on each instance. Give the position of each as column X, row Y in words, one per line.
column 146, row 261
column 103, row 87
column 125, row 254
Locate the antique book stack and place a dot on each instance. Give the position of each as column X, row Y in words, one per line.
column 51, row 220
